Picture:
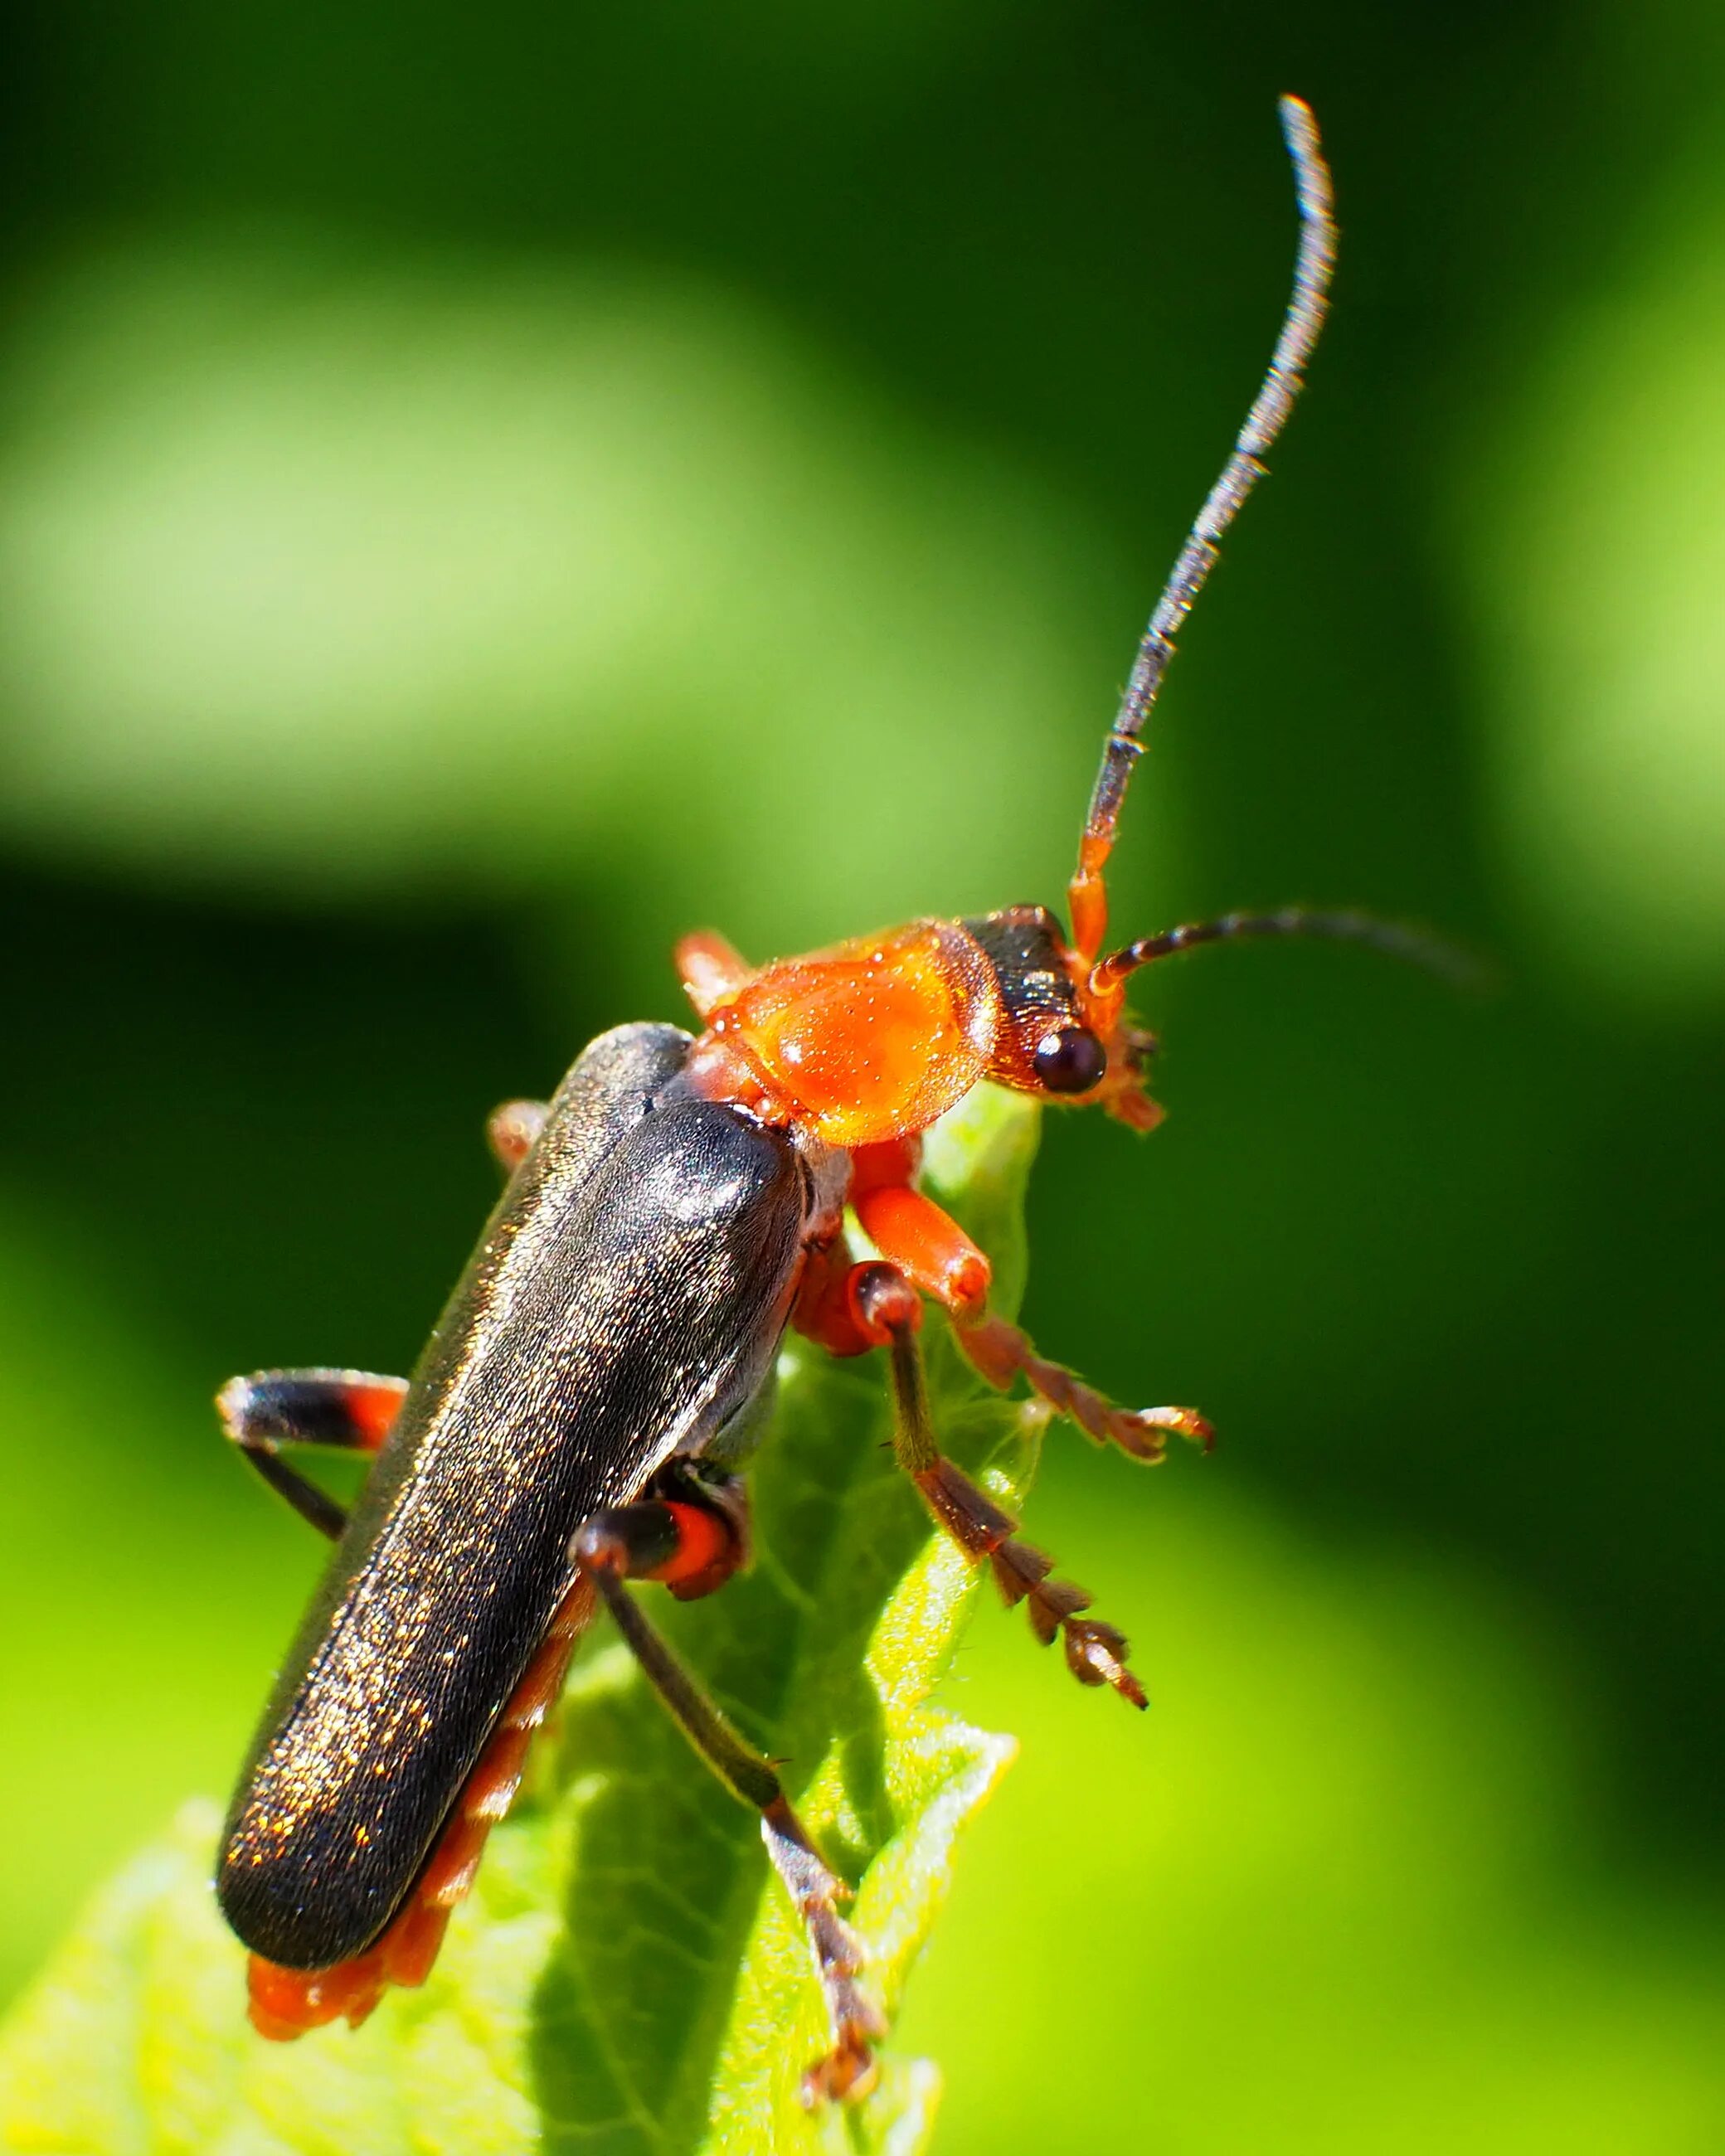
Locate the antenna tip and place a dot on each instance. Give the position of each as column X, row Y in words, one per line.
column 1311, row 174
column 1299, row 123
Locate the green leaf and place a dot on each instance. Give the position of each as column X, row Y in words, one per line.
column 627, row 1979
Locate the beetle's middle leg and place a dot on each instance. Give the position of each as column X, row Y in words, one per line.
column 664, row 1539
column 931, row 1248
column 889, row 1309
column 347, row 1411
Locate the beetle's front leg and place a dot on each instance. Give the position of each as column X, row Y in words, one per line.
column 670, row 1541
column 931, row 1248
column 889, row 1309
column 347, row 1410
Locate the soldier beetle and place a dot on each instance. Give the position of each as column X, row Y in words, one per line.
column 580, row 1414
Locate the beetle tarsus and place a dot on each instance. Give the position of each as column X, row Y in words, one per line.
column 848, row 2070
column 1000, row 1352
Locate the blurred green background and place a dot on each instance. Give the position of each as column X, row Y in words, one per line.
column 482, row 492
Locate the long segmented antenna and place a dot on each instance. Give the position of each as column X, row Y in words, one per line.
column 1313, row 266
column 1459, row 968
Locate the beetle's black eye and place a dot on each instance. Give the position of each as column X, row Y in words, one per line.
column 1072, row 1060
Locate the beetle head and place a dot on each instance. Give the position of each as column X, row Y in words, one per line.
column 1057, row 1036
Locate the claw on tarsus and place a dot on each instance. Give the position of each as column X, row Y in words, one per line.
column 847, row 2071
column 1096, row 1652
column 1000, row 1352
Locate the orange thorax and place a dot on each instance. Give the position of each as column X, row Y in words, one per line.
column 872, row 1041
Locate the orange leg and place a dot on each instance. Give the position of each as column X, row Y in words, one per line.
column 887, row 1308
column 927, row 1246
column 822, row 1311
column 931, row 1248
column 710, row 970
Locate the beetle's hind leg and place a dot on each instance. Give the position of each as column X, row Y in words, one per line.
column 889, row 1310
column 345, row 1410
column 662, row 1539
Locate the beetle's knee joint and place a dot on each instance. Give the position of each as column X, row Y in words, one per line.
column 883, row 1303
column 964, row 1288
column 235, row 1405
column 601, row 1545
